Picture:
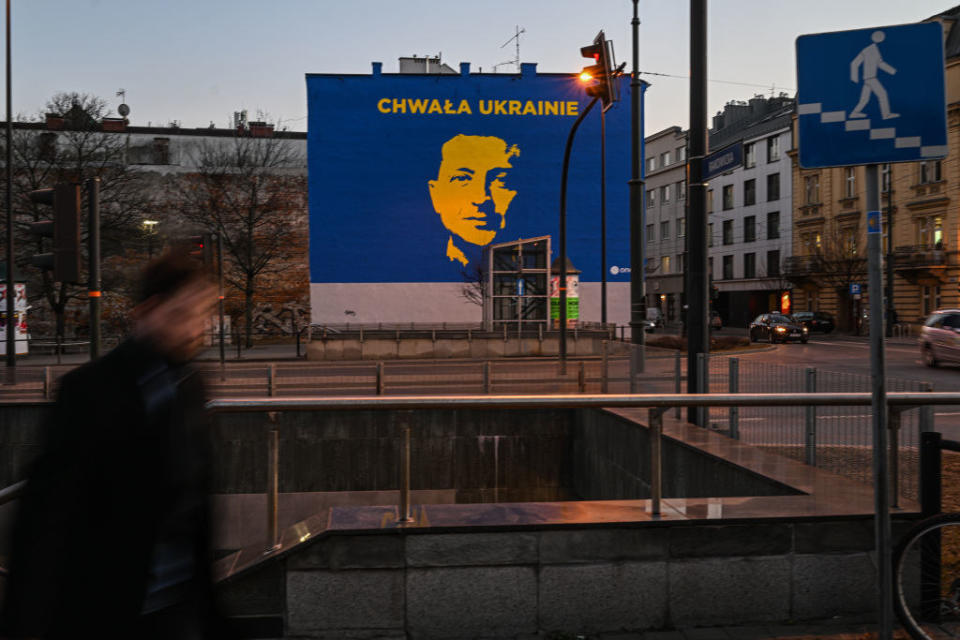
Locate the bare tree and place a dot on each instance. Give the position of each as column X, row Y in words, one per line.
column 474, row 283
column 74, row 152
column 249, row 191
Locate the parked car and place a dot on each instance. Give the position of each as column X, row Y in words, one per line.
column 815, row 320
column 655, row 316
column 777, row 327
column 940, row 337
column 716, row 322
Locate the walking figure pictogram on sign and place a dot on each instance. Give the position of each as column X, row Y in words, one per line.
column 872, row 63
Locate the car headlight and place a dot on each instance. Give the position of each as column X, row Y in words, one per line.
column 781, row 329
column 805, row 329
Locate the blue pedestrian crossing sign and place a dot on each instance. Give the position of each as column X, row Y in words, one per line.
column 871, row 96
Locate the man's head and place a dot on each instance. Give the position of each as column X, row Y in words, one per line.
column 176, row 299
column 470, row 192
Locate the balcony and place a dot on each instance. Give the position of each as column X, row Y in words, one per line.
column 801, row 269
column 922, row 262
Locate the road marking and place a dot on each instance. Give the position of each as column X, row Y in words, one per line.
column 836, row 343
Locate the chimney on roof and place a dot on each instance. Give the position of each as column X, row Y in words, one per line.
column 54, row 122
column 260, row 129
column 116, row 125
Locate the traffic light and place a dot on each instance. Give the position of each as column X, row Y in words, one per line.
column 64, row 228
column 600, row 77
column 201, row 249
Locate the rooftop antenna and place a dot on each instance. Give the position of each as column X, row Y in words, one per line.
column 516, row 40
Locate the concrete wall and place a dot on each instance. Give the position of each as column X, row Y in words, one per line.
column 611, row 461
column 572, row 581
column 392, row 348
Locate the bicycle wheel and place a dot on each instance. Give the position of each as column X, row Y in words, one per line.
column 926, row 573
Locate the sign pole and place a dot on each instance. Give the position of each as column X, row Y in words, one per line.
column 881, row 496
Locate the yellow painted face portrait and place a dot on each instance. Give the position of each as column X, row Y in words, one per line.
column 470, row 193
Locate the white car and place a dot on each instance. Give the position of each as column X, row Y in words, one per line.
column 940, row 337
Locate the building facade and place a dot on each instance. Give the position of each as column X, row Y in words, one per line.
column 666, row 230
column 919, row 203
column 749, row 211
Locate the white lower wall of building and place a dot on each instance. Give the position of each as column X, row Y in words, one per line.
column 431, row 302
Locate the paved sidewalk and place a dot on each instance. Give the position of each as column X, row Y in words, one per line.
column 828, row 630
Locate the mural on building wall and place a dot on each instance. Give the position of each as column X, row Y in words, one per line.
column 411, row 175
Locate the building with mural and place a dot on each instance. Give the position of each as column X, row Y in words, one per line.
column 411, row 175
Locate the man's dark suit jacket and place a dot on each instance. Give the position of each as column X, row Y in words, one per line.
column 127, row 446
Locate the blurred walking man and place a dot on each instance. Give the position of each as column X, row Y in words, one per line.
column 112, row 536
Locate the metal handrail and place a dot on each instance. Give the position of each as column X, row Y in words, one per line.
column 13, row 492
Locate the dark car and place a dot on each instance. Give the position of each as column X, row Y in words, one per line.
column 815, row 320
column 777, row 327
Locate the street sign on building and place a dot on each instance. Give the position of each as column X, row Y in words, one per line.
column 871, row 96
column 724, row 160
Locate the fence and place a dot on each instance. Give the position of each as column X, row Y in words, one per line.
column 838, row 439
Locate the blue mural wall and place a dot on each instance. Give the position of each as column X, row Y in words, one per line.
column 411, row 175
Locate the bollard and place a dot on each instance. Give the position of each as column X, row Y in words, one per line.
column 273, row 486
column 433, row 336
column 404, row 514
column 810, row 420
column 677, row 382
column 633, row 369
column 361, row 334
column 504, row 332
column 539, row 332
column 486, row 377
column 272, row 380
column 605, row 368
column 381, row 383
column 930, row 505
column 582, row 377
column 893, row 460
column 733, row 385
column 655, row 417
column 47, row 384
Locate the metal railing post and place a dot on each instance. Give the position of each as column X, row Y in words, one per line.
column 930, row 504
column 582, row 378
column 703, row 376
column 893, row 426
column 47, row 384
column 678, row 382
column 273, row 485
column 404, row 514
column 486, row 376
column 634, row 354
column 605, row 368
column 380, row 381
column 926, row 411
column 733, row 386
column 655, row 417
column 272, row 380
column 810, row 421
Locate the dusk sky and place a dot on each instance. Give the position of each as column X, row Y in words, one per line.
column 199, row 61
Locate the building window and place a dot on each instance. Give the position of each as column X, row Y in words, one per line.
column 665, row 230
column 849, row 241
column 930, row 299
column 749, row 155
column 929, row 171
column 709, row 200
column 749, row 192
column 728, row 197
column 773, row 225
column 930, row 232
column 850, row 182
column 885, row 177
column 682, row 190
column 681, row 262
column 710, row 267
column 710, row 234
column 811, row 241
column 665, row 194
column 161, row 151
column 681, row 154
column 728, row 232
column 652, row 198
column 681, row 227
column 750, row 228
column 773, row 148
column 749, row 265
column 652, row 164
column 811, row 187
column 728, row 267
column 650, row 236
column 664, row 158
column 773, row 187
column 664, row 264
column 773, row 263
